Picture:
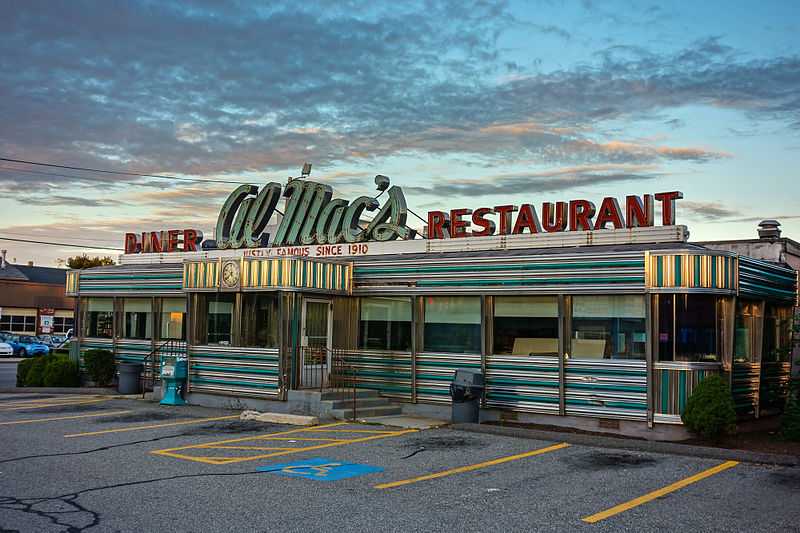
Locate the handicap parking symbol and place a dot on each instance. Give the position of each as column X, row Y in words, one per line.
column 321, row 469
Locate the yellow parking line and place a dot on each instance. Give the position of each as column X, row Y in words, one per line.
column 47, row 399
column 658, row 493
column 321, row 430
column 54, row 404
column 34, row 420
column 261, row 448
column 152, row 426
column 470, row 468
column 172, row 452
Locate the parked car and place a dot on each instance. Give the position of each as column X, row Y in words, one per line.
column 31, row 346
column 6, row 350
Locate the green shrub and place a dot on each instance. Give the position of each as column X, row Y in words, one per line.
column 100, row 366
column 790, row 425
column 23, row 367
column 61, row 372
column 710, row 411
column 35, row 375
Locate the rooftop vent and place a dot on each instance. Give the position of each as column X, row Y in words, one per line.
column 768, row 229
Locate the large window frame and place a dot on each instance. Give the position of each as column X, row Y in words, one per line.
column 385, row 323
column 608, row 327
column 525, row 326
column 137, row 318
column 777, row 333
column 464, row 315
column 97, row 317
column 675, row 335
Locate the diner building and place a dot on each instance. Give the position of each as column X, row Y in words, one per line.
column 606, row 329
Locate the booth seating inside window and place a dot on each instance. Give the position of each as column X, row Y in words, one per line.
column 608, row 327
column 526, row 325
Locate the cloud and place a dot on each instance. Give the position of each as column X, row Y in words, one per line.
column 534, row 182
column 148, row 89
column 707, row 211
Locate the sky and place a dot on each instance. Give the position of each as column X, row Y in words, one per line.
column 464, row 104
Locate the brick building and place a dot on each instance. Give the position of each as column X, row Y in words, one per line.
column 33, row 299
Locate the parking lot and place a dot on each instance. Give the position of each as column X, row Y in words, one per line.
column 93, row 463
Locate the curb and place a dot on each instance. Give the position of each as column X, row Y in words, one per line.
column 64, row 390
column 635, row 445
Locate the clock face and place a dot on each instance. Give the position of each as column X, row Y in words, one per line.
column 230, row 274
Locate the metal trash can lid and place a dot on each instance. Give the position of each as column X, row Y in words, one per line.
column 465, row 377
column 130, row 367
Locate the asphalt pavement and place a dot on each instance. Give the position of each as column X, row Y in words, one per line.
column 86, row 463
column 8, row 373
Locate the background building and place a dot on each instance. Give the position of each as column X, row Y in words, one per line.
column 33, row 300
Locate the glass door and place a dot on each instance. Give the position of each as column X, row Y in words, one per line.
column 316, row 343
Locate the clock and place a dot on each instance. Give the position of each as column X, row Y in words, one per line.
column 230, row 274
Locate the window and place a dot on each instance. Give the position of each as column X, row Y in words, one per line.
column 62, row 324
column 18, row 323
column 219, row 322
column 608, row 327
column 173, row 319
column 385, row 324
column 747, row 336
column 690, row 327
column 137, row 318
column 98, row 318
column 526, row 325
column 777, row 344
column 260, row 320
column 452, row 324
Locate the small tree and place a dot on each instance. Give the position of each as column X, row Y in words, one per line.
column 710, row 411
column 100, row 366
column 84, row 261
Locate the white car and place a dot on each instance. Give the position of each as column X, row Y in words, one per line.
column 6, row 350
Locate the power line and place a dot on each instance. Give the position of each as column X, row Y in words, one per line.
column 84, row 246
column 120, row 172
column 15, row 234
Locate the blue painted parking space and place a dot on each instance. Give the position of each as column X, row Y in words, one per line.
column 320, row 469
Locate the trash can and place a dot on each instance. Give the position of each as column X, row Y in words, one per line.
column 466, row 391
column 129, row 378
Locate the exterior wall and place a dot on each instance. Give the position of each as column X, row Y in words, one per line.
column 24, row 298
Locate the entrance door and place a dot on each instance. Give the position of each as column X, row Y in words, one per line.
column 316, row 343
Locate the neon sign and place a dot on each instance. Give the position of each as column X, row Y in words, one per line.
column 173, row 240
column 575, row 215
column 312, row 216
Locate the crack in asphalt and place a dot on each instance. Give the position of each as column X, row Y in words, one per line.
column 100, row 449
column 72, row 507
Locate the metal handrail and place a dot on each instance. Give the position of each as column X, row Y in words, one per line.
column 169, row 346
column 316, row 374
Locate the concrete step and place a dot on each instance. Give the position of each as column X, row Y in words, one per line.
column 338, row 395
column 346, row 414
column 360, row 403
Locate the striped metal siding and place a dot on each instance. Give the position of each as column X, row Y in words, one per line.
column 274, row 273
column 234, row 371
column 72, row 283
column 745, row 386
column 435, row 373
column 132, row 350
column 766, row 280
column 132, row 280
column 774, row 386
column 606, row 389
column 522, row 383
column 543, row 273
column 387, row 372
column 691, row 271
column 672, row 387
